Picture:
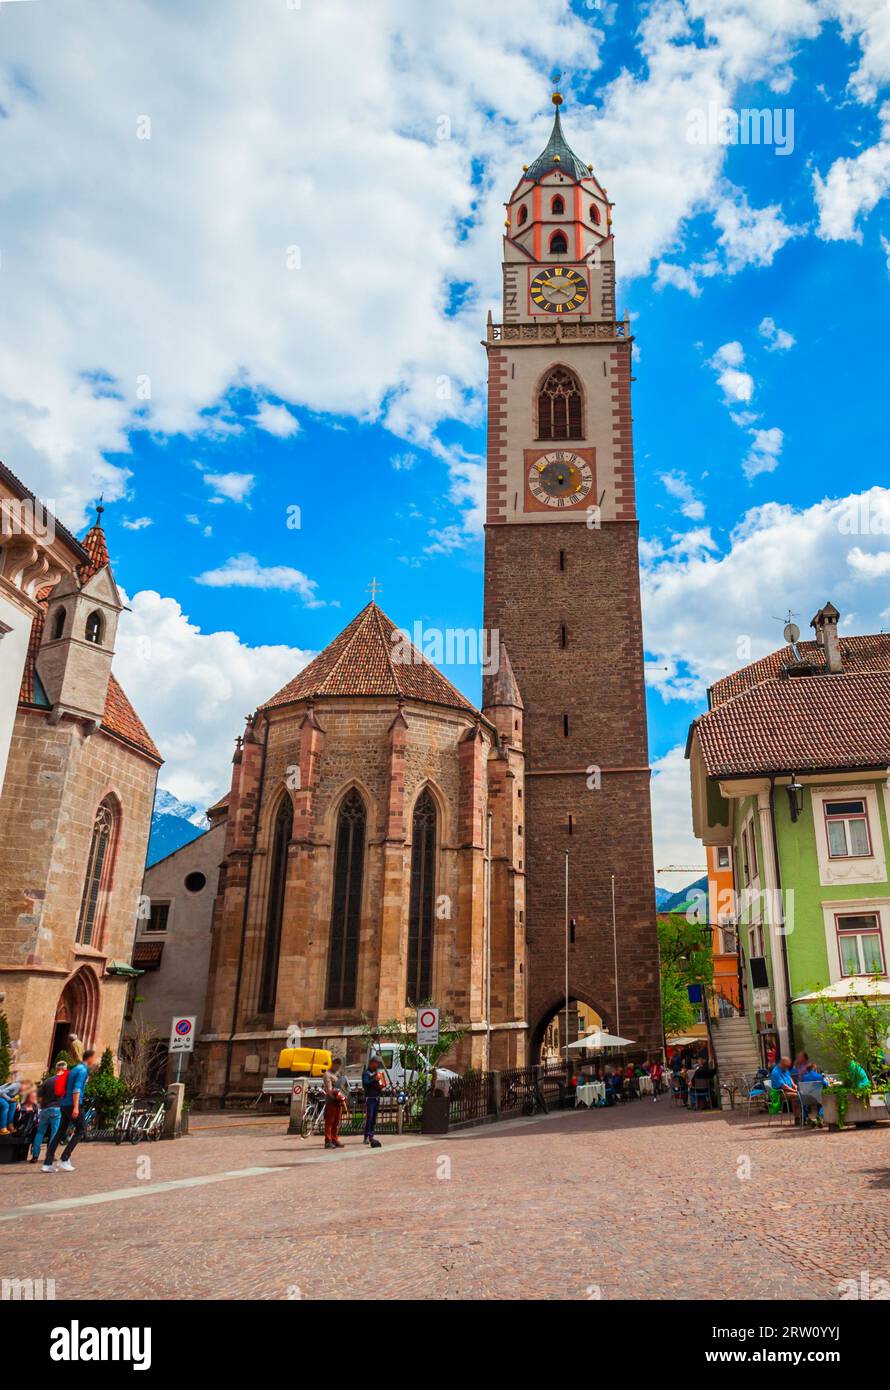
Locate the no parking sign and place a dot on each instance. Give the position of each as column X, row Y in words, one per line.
column 182, row 1033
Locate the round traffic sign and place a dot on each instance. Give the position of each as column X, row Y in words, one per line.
column 427, row 1018
column 297, row 1088
column 183, row 1027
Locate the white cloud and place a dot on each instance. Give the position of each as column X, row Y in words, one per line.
column 673, row 840
column 666, row 273
column 777, row 339
column 869, row 566
column 763, row 456
column 245, row 572
column 192, row 690
column 678, row 485
column 277, row 420
column 231, row 487
column 853, row 186
column 735, row 384
column 142, row 304
column 708, row 612
column 137, row 523
column 749, row 236
column 403, row 463
column 868, row 23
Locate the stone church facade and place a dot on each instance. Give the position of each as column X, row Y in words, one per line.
column 386, row 842
column 75, row 816
column 355, row 875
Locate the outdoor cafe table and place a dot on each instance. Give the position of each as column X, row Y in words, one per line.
column 590, row 1093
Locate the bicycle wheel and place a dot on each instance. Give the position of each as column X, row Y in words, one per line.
column 307, row 1121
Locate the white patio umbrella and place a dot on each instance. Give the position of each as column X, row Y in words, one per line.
column 597, row 1040
column 851, row 988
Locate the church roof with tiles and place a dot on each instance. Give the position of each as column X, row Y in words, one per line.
column 364, row 661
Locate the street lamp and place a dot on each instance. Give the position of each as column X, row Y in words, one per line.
column 795, row 796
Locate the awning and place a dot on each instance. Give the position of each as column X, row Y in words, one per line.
column 120, row 967
column 147, row 954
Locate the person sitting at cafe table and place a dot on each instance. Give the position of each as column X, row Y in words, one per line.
column 783, row 1084
column 858, row 1077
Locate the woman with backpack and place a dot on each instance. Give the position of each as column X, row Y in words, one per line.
column 49, row 1096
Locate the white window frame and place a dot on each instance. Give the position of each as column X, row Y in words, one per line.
column 848, row 870
column 845, row 907
column 831, row 819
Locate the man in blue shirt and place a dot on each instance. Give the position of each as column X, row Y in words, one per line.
column 781, row 1080
column 73, row 1112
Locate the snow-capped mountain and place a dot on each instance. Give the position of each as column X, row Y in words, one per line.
column 173, row 824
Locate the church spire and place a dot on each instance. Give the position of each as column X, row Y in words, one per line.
column 557, row 153
column 96, row 546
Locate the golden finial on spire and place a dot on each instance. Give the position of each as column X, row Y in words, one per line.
column 556, row 79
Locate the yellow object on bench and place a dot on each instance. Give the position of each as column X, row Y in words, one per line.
column 307, row 1061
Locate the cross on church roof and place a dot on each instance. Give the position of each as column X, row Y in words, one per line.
column 374, row 589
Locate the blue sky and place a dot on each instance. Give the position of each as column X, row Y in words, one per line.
column 295, row 246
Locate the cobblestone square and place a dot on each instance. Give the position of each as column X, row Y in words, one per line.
column 643, row 1201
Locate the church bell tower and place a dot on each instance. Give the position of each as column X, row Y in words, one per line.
column 562, row 590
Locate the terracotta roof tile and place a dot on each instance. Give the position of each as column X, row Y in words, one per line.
column 868, row 652
column 360, row 662
column 96, row 546
column 800, row 724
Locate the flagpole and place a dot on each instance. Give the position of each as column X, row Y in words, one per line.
column 615, row 951
column 567, row 963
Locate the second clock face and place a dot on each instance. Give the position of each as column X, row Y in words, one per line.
column 560, row 479
column 559, row 290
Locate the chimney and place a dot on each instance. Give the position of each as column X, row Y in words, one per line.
column 825, row 625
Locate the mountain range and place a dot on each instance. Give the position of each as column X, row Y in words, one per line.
column 173, row 824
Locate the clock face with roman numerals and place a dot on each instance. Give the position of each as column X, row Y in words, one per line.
column 559, row 290
column 560, row 479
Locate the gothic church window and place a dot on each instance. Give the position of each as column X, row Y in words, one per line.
column 559, row 408
column 284, row 824
column 421, row 911
column 557, row 207
column 349, row 858
column 94, row 628
column 523, row 215
column 558, row 244
column 59, row 625
column 594, row 213
column 97, row 874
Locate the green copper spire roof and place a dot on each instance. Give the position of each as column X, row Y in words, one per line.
column 567, row 160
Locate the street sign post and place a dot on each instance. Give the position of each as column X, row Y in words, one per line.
column 427, row 1027
column 182, row 1038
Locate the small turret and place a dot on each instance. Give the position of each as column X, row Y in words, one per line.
column 77, row 643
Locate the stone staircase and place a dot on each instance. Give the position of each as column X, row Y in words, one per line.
column 736, row 1051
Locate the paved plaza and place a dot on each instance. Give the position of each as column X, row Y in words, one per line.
column 642, row 1201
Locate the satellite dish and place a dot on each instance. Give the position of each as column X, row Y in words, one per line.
column 791, row 633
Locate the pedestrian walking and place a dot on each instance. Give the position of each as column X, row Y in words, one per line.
column 73, row 1112
column 50, row 1115
column 373, row 1082
column 335, row 1087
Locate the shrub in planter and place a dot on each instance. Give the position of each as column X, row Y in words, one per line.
column 107, row 1091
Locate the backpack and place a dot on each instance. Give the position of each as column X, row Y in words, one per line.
column 60, row 1084
column 46, row 1093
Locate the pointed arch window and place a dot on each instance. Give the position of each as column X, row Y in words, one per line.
column 557, row 206
column 346, row 907
column 59, row 624
column 95, row 627
column 422, row 900
column 594, row 213
column 522, row 217
column 281, row 836
column 558, row 244
column 560, row 414
column 98, row 873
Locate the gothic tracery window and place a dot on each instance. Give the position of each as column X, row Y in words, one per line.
column 558, row 244
column 559, row 406
column 421, row 910
column 557, row 207
column 346, row 906
column 281, row 835
column 96, row 877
